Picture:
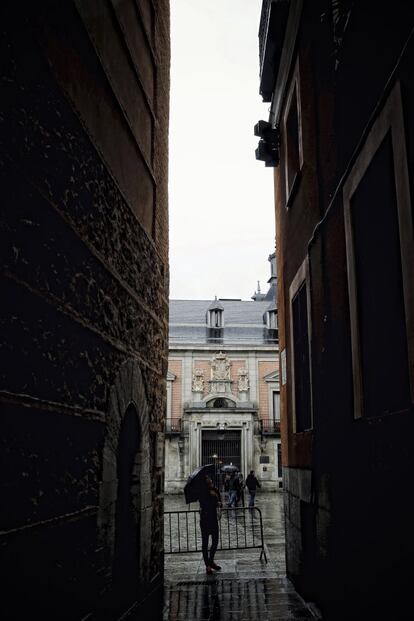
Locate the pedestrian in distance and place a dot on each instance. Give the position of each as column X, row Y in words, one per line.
column 252, row 484
column 226, row 487
column 238, row 488
column 241, row 491
column 210, row 501
column 232, row 491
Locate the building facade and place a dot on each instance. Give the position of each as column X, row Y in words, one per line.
column 83, row 174
column 223, row 388
column 340, row 136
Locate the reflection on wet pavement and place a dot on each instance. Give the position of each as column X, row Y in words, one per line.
column 231, row 599
column 245, row 589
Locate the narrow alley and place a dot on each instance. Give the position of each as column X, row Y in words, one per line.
column 153, row 155
column 246, row 588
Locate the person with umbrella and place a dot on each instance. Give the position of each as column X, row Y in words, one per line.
column 210, row 500
column 201, row 487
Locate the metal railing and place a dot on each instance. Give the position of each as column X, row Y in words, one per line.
column 173, row 425
column 240, row 528
column 270, row 426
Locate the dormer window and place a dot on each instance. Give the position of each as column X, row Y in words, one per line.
column 271, row 319
column 215, row 322
column 216, row 318
column 215, row 314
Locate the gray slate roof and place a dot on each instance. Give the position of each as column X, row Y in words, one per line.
column 243, row 321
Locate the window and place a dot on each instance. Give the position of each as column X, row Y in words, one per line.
column 216, row 320
column 276, row 405
column 215, row 314
column 292, row 137
column 170, row 378
column 380, row 258
column 271, row 319
column 279, row 460
column 300, row 344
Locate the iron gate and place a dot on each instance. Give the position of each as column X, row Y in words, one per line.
column 225, row 444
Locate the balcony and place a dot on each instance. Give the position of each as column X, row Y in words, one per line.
column 173, row 426
column 270, row 426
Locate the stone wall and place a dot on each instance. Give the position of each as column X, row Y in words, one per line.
column 83, row 168
column 175, row 366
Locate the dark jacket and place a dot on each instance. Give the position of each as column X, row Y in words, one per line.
column 208, row 505
column 252, row 483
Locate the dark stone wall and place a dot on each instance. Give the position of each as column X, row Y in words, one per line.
column 84, row 288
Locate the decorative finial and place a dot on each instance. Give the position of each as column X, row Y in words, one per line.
column 258, row 286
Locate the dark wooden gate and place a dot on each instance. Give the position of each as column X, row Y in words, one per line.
column 225, row 444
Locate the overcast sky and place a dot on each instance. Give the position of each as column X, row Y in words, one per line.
column 221, row 198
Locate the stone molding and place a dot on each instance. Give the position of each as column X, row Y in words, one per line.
column 198, row 381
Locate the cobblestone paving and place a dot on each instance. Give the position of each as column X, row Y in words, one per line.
column 245, row 589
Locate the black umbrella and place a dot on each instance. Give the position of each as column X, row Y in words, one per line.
column 196, row 483
column 229, row 468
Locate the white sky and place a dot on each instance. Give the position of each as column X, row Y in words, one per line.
column 221, row 198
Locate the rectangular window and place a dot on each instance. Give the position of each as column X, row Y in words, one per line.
column 276, row 405
column 301, row 359
column 380, row 256
column 379, row 288
column 279, row 460
column 292, row 142
column 300, row 338
column 169, row 399
column 292, row 137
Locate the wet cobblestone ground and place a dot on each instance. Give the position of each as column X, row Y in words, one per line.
column 245, row 589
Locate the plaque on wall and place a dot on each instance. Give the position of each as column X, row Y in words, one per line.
column 264, row 459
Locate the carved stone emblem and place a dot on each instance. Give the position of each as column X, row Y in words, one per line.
column 243, row 380
column 220, row 367
column 198, row 380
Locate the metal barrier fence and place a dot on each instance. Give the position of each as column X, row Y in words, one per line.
column 240, row 528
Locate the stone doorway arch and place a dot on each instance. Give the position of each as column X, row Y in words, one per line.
column 125, row 499
column 127, row 514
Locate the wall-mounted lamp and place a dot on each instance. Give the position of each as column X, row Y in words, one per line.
column 268, row 149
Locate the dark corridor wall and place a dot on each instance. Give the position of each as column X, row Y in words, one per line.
column 84, row 290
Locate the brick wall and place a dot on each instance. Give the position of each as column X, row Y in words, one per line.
column 175, row 366
column 263, row 387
